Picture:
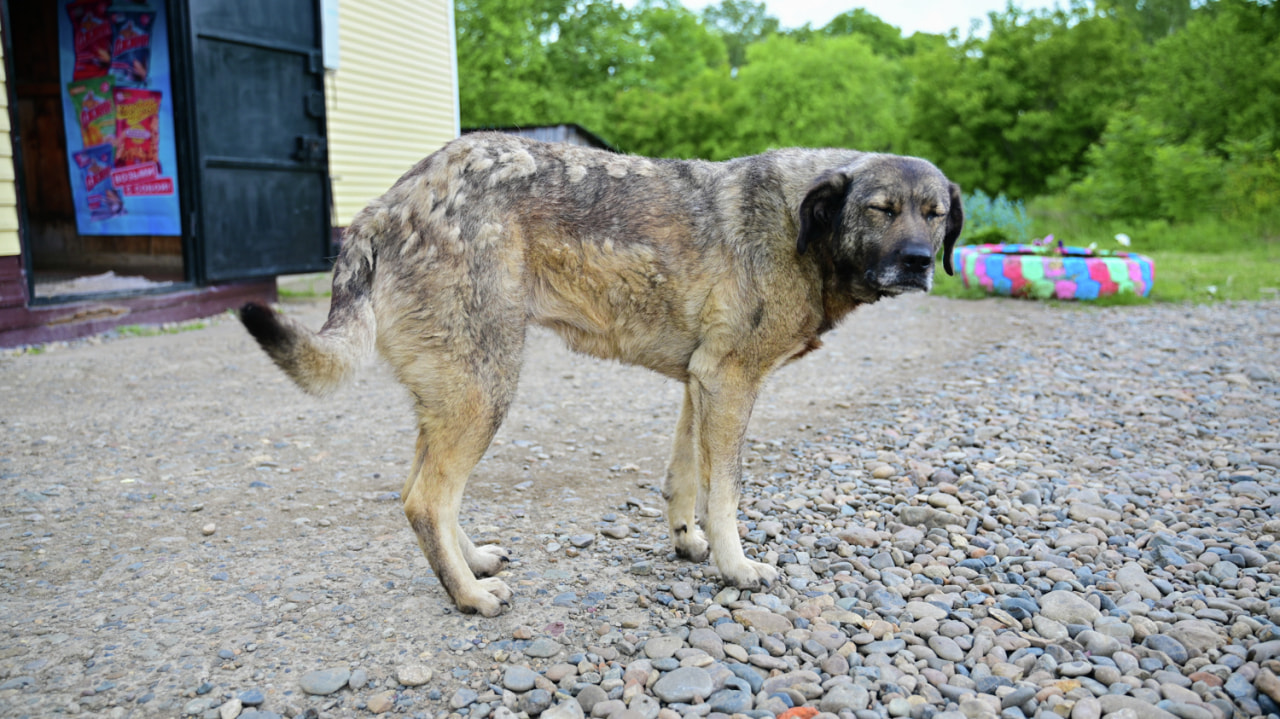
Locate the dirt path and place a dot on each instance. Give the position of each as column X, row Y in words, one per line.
column 180, row 523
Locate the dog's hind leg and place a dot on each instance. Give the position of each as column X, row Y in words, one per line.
column 461, row 399
column 684, row 488
column 486, row 560
column 432, row 507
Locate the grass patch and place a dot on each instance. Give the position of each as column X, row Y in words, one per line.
column 953, row 287
column 311, row 286
column 945, row 285
column 1252, row 274
column 154, row 330
column 306, row 293
column 1203, row 235
column 1204, row 260
column 1249, row 274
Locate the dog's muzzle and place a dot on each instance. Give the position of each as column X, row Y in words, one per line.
column 907, row 269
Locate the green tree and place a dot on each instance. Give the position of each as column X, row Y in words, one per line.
column 1010, row 111
column 504, row 74
column 832, row 92
column 694, row 120
column 1219, row 78
column 1154, row 19
column 884, row 39
column 599, row 64
column 675, row 46
column 741, row 23
column 1202, row 137
column 679, row 106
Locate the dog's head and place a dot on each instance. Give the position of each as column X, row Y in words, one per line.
column 883, row 218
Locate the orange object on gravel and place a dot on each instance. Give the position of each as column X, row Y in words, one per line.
column 799, row 713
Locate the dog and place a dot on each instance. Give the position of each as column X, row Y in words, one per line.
column 713, row 274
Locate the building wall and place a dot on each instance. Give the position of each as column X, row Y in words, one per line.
column 392, row 102
column 8, row 191
column 393, row 99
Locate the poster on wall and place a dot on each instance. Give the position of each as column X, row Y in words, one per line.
column 117, row 107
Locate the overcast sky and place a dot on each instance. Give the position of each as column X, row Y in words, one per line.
column 933, row 16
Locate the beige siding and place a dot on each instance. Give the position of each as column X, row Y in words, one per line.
column 8, row 191
column 393, row 99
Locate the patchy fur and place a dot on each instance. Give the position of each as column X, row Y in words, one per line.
column 713, row 274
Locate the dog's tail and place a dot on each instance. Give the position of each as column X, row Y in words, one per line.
column 322, row 362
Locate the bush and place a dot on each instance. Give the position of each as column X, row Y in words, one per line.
column 994, row 220
column 1187, row 182
column 1251, row 187
column 1121, row 166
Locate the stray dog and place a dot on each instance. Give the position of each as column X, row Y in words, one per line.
column 713, row 274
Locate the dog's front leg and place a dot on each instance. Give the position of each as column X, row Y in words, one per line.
column 722, row 399
column 685, row 488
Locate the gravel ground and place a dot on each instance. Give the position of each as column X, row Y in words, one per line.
column 991, row 509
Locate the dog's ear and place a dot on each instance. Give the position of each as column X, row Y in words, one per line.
column 820, row 210
column 955, row 223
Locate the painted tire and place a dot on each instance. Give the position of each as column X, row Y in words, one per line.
column 1072, row 273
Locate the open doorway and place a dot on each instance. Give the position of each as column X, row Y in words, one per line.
column 92, row 176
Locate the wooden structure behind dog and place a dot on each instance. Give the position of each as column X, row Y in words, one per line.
column 272, row 127
column 567, row 133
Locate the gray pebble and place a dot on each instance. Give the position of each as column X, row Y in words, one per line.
column 538, row 701
column 1068, row 608
column 946, row 648
column 730, row 701
column 644, row 705
column 708, row 641
column 413, row 675
column 359, row 677
column 1127, row 557
column 683, row 685
column 1019, row 696
column 464, row 697
column 1170, row 646
column 518, row 679
column 1098, row 643
column 543, row 648
column 566, row 709
column 845, row 696
column 324, row 681
column 662, row 647
column 590, row 696
column 1075, row 669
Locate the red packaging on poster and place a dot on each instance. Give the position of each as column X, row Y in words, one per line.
column 137, row 126
column 91, row 33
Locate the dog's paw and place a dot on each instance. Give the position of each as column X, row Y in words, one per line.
column 692, row 545
column 749, row 575
column 491, row 598
column 488, row 560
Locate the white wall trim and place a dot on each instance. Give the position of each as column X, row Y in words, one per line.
column 453, row 61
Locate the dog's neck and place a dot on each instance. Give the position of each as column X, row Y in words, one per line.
column 843, row 290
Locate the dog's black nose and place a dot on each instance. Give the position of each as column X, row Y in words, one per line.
column 916, row 257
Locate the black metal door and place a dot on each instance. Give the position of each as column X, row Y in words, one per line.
column 260, row 146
